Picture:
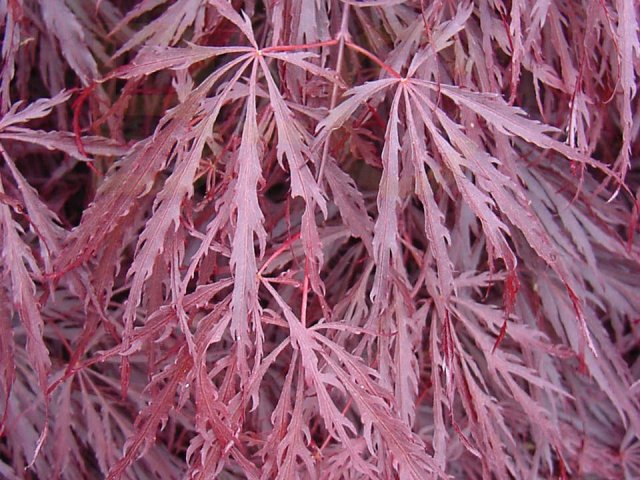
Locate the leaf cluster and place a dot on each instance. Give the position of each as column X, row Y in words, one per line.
column 319, row 239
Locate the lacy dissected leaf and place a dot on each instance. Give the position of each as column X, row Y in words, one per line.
column 214, row 412
column 337, row 424
column 44, row 222
column 166, row 215
column 249, row 219
column 7, row 355
column 19, row 268
column 132, row 177
column 301, row 60
column 66, row 445
column 38, row 109
column 358, row 95
column 511, row 121
column 11, row 12
column 292, row 446
column 167, row 208
column 481, row 204
column 385, row 232
column 291, row 145
column 152, row 59
column 166, row 30
column 439, row 39
column 405, row 358
column 64, row 25
column 241, row 21
column 99, row 433
column 629, row 55
column 407, row 449
column 285, row 239
column 435, row 230
column 517, row 211
column 350, row 202
column 66, row 142
column 152, row 417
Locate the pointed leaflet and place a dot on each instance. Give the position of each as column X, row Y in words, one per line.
column 629, row 55
column 556, row 308
column 486, row 420
column 385, row 232
column 551, row 205
column 502, row 362
column 11, row 14
column 7, row 356
column 440, row 433
column 291, row 144
column 515, row 38
column 37, row 109
column 358, row 96
column 44, row 222
column 65, row 440
column 508, row 195
column 311, row 21
column 141, row 8
column 435, row 229
column 491, row 225
column 166, row 214
column 154, row 415
column 97, row 432
column 154, row 58
column 161, row 322
column 509, row 198
column 212, row 411
column 441, row 37
column 249, row 219
column 223, row 207
column 17, row 255
column 243, row 23
column 293, row 445
column 66, row 143
column 282, row 439
column 168, row 28
column 120, row 191
column 408, row 343
column 70, row 34
column 299, row 59
column 350, row 202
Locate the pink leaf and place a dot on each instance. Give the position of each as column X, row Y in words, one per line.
column 244, row 302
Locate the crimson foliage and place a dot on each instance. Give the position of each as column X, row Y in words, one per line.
column 319, row 239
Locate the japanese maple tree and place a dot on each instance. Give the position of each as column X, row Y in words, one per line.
column 319, row 239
